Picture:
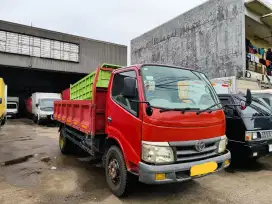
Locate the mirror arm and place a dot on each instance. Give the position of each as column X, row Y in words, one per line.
column 135, row 101
column 231, row 105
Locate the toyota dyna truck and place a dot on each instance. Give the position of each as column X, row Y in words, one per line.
column 161, row 123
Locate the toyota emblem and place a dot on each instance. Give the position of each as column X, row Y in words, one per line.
column 199, row 146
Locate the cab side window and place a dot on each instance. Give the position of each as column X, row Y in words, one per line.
column 229, row 111
column 117, row 92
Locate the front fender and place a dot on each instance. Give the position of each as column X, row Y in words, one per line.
column 130, row 155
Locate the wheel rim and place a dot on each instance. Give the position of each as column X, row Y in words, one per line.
column 114, row 171
column 61, row 142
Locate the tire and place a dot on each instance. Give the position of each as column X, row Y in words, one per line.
column 34, row 118
column 66, row 146
column 3, row 122
column 115, row 160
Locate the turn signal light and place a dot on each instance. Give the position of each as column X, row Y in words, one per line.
column 248, row 138
column 227, row 163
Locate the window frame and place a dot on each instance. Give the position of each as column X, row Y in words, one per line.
column 136, row 114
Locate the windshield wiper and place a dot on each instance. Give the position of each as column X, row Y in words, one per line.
column 209, row 108
column 178, row 109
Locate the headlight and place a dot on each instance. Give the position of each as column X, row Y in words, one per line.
column 157, row 152
column 222, row 144
column 251, row 136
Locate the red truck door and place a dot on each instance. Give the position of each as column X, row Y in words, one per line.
column 122, row 118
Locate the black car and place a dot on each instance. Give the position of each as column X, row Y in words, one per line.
column 249, row 130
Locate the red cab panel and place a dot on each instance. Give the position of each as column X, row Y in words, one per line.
column 175, row 126
column 65, row 95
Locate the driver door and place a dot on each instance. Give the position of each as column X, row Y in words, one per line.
column 123, row 122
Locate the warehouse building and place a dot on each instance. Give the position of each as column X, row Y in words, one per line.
column 39, row 60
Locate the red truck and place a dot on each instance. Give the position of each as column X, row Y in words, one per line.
column 65, row 94
column 161, row 123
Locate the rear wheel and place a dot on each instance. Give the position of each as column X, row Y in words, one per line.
column 116, row 171
column 66, row 146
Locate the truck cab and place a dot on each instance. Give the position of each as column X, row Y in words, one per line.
column 249, row 130
column 43, row 106
column 161, row 123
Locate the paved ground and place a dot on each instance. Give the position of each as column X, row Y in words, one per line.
column 46, row 176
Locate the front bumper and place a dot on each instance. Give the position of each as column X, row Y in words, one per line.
column 258, row 148
column 46, row 117
column 10, row 114
column 176, row 172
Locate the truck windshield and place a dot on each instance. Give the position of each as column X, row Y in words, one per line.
column 11, row 105
column 170, row 87
column 47, row 103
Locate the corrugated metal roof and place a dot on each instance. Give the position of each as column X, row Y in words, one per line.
column 53, row 32
column 267, row 19
column 258, row 6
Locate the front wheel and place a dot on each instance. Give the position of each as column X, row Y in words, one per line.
column 116, row 171
column 3, row 122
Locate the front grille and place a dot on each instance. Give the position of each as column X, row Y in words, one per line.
column 266, row 134
column 187, row 152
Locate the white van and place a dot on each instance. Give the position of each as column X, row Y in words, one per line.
column 43, row 106
column 233, row 85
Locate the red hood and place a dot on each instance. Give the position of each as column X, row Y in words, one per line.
column 175, row 126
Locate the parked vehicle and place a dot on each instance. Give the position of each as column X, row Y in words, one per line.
column 3, row 101
column 234, row 85
column 43, row 106
column 161, row 123
column 65, row 95
column 12, row 107
column 249, row 130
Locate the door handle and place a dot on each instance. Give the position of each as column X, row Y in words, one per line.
column 109, row 119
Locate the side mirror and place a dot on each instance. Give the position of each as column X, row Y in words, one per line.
column 37, row 105
column 1, row 100
column 248, row 98
column 149, row 110
column 129, row 90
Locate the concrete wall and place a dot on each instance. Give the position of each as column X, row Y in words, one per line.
column 209, row 38
column 91, row 54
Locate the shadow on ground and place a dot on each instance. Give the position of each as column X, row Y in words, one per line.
column 249, row 165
